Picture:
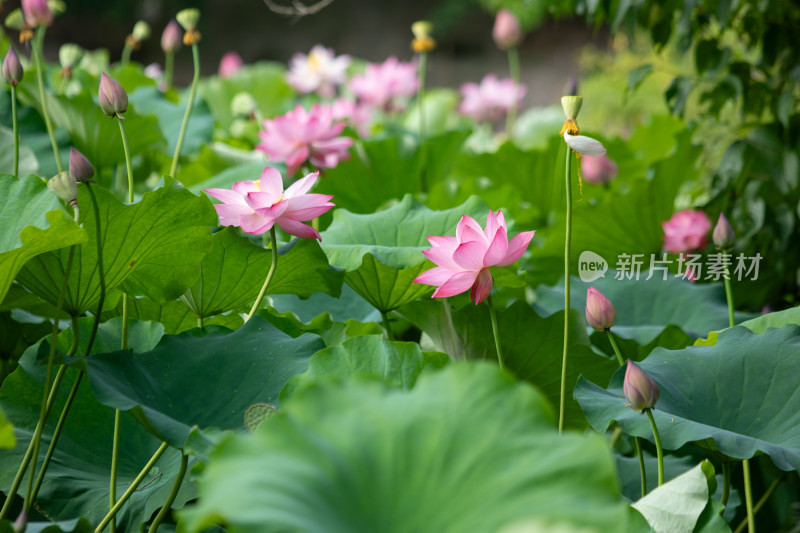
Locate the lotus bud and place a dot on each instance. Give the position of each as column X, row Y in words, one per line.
column 12, row 68
column 65, row 186
column 243, row 105
column 723, row 235
column 171, row 38
column 188, row 18
column 600, row 312
column 141, row 31
column 21, row 523
column 507, row 32
column 230, row 64
column 113, row 98
column 639, row 388
column 423, row 42
column 15, row 20
column 598, row 170
column 37, row 13
column 80, row 166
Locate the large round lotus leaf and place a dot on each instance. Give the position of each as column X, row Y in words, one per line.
column 739, row 396
column 468, row 449
column 205, row 381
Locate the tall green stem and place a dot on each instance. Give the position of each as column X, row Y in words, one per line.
column 195, row 78
column 748, row 497
column 567, row 239
column 126, row 54
column 761, row 502
column 112, row 482
column 659, row 449
column 15, row 128
column 272, row 267
column 729, row 297
column 172, row 495
column 617, row 353
column 128, row 164
column 513, row 70
column 132, row 488
column 387, row 326
column 496, row 334
column 169, row 67
column 38, row 42
column 422, row 74
column 726, row 483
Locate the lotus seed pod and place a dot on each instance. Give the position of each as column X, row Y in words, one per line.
column 65, row 186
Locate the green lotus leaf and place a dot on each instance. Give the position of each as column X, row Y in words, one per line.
column 152, row 247
column 33, row 223
column 703, row 392
column 467, row 449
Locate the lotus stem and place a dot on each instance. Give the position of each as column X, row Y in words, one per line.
column 172, row 495
column 659, row 448
column 617, row 353
column 15, row 128
column 748, row 497
column 38, row 42
column 562, row 403
column 272, row 267
column 126, row 55
column 132, row 488
column 513, row 70
column 493, row 318
column 726, row 482
column 112, row 482
column 192, row 91
column 169, row 68
column 386, row 325
column 100, row 272
column 729, row 296
column 422, row 74
column 772, row 488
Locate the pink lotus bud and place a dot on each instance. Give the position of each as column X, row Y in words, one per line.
column 113, row 98
column 12, row 68
column 507, row 32
column 639, row 388
column 79, row 165
column 600, row 312
column 65, row 186
column 598, row 170
column 21, row 523
column 37, row 13
column 723, row 235
column 230, row 64
column 171, row 38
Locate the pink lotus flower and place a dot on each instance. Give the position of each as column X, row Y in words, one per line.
column 302, row 135
column 598, row 170
column 687, row 230
column 464, row 260
column 385, row 85
column 230, row 64
column 319, row 71
column 492, row 99
column 506, row 32
column 37, row 13
column 359, row 116
column 255, row 206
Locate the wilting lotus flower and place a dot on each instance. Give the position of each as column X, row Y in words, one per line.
column 492, row 99
column 12, row 69
column 256, row 206
column 319, row 71
column 302, row 135
column 723, row 235
column 600, row 312
column 37, row 13
column 80, row 167
column 381, row 85
column 113, row 98
column 230, row 64
column 171, row 37
column 506, row 32
column 687, row 230
column 598, row 170
column 464, row 260
column 640, row 390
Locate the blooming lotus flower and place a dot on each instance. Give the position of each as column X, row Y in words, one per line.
column 302, row 135
column 598, row 170
column 37, row 13
column 723, row 235
column 687, row 230
column 319, row 71
column 464, row 260
column 230, row 64
column 171, row 37
column 506, row 32
column 640, row 390
column 256, row 206
column 112, row 97
column 383, row 85
column 600, row 312
column 492, row 99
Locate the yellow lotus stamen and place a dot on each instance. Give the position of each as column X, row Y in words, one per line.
column 423, row 44
column 570, row 126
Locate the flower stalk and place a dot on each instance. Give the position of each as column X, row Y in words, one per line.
column 38, row 43
column 493, row 318
column 15, row 128
column 190, row 103
column 270, row 273
column 172, row 495
column 567, row 242
column 659, row 448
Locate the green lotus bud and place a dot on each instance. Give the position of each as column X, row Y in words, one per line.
column 69, row 54
column 15, row 20
column 572, row 106
column 243, row 105
column 141, row 31
column 188, row 18
column 65, row 186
